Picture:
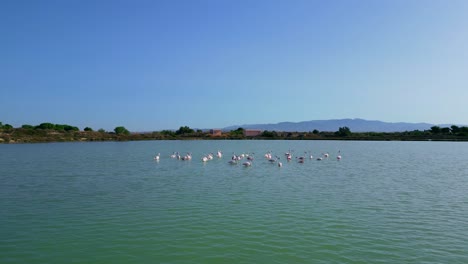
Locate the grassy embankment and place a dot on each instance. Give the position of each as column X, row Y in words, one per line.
column 65, row 133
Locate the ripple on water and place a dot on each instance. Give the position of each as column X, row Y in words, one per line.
column 384, row 202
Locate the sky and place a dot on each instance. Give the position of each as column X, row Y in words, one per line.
column 154, row 65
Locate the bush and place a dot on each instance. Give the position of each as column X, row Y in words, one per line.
column 45, row 126
column 120, row 130
column 184, row 130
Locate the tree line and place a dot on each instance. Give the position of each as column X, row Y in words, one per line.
column 49, row 132
column 60, row 127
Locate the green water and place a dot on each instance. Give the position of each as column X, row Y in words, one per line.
column 383, row 202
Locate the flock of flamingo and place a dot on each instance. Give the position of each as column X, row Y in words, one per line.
column 237, row 159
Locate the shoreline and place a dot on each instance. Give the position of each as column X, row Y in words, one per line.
column 28, row 141
column 23, row 135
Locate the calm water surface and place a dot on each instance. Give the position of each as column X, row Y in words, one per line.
column 384, row 202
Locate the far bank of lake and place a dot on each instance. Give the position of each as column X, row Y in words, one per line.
column 21, row 135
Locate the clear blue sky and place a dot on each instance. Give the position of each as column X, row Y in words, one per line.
column 153, row 65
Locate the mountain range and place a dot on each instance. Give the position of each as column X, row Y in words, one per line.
column 355, row 125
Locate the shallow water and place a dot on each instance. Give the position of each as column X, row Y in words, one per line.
column 384, row 202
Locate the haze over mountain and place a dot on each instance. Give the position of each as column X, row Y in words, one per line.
column 355, row 125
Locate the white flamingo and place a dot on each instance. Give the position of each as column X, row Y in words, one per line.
column 156, row 158
column 187, row 157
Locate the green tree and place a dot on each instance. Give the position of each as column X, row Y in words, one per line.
column 463, row 131
column 455, row 129
column 315, row 131
column 7, row 126
column 168, row 133
column 27, row 127
column 184, row 130
column 269, row 134
column 45, row 126
column 88, row 129
column 343, row 132
column 435, row 130
column 120, row 130
column 101, row 130
column 445, row 130
column 59, row 127
column 238, row 131
column 70, row 128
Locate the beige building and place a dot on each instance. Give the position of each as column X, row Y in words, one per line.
column 215, row 132
column 252, row 132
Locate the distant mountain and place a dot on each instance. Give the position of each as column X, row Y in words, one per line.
column 355, row 125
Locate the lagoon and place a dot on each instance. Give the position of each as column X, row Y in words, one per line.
column 110, row 202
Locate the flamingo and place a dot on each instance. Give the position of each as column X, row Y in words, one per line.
column 187, row 157
column 156, row 158
column 280, row 164
column 247, row 164
column 219, row 154
column 339, row 155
